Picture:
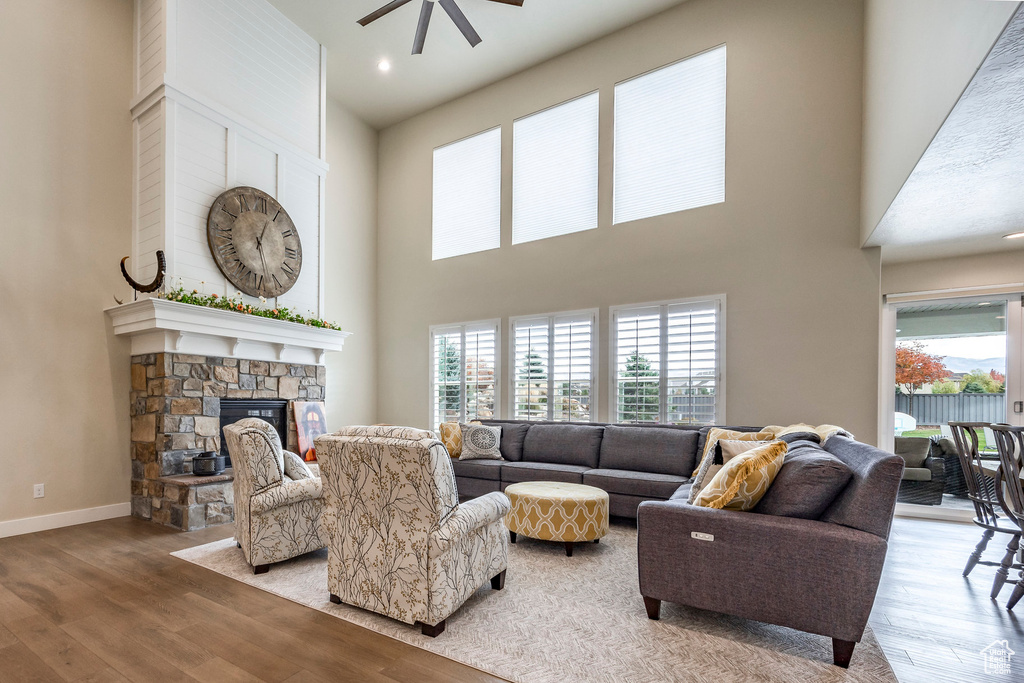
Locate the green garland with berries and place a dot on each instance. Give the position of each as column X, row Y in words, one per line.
column 236, row 304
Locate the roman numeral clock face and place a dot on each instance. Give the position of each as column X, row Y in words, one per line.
column 254, row 242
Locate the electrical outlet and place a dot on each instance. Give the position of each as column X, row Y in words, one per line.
column 38, row 491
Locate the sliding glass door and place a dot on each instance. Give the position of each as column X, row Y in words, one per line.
column 952, row 360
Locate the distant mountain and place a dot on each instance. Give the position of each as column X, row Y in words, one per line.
column 960, row 364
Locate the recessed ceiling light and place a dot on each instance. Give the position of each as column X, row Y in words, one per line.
column 385, row 65
column 1014, row 235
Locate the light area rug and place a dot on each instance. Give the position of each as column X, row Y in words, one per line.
column 578, row 618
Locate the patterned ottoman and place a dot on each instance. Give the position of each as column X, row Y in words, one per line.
column 554, row 511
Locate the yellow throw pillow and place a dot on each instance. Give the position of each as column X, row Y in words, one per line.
column 715, row 435
column 742, row 481
column 451, row 437
column 730, row 449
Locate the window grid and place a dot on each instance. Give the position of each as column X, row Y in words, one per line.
column 667, row 362
column 553, row 367
column 464, row 373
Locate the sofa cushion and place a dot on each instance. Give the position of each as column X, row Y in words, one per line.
column 478, row 469
column 649, row 449
column 645, row 484
column 512, row 436
column 513, row 472
column 793, row 437
column 913, row 449
column 808, row 482
column 682, row 493
column 745, row 479
column 563, row 444
column 917, row 474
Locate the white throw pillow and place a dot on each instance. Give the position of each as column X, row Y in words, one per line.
column 295, row 468
column 480, row 442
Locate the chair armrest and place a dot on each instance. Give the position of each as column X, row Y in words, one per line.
column 287, row 493
column 937, row 464
column 806, row 574
column 467, row 518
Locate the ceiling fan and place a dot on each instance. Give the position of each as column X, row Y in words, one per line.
column 449, row 6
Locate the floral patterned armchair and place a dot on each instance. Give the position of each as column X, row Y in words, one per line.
column 278, row 499
column 398, row 541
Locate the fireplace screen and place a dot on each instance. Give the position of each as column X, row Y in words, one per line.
column 234, row 409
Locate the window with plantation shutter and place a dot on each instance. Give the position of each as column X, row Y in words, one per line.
column 668, row 362
column 670, row 138
column 467, row 196
column 554, row 367
column 554, row 170
column 464, row 372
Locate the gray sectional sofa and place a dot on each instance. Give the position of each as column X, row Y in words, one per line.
column 809, row 556
column 632, row 463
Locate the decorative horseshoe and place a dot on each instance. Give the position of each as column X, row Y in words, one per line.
column 161, row 266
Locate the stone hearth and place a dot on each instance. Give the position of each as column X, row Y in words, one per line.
column 175, row 409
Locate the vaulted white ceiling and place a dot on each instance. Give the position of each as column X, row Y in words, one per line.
column 514, row 38
column 964, row 194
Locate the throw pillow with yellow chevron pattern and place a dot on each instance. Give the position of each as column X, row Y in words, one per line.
column 742, row 481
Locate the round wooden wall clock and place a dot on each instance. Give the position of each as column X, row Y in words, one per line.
column 254, row 242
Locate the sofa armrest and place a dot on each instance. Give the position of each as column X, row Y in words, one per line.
column 468, row 517
column 806, row 574
column 286, row 493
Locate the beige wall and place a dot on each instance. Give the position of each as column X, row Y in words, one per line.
column 351, row 267
column 803, row 299
column 980, row 270
column 919, row 55
column 65, row 189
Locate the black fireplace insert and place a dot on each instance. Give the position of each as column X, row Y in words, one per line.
column 273, row 411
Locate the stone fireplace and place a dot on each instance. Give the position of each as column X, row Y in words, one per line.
column 185, row 360
column 175, row 405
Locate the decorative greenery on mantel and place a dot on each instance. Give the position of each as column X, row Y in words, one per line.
column 236, row 304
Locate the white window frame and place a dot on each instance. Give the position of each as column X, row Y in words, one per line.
column 551, row 318
column 433, row 194
column 519, row 238
column 613, row 345
column 616, row 136
column 463, row 328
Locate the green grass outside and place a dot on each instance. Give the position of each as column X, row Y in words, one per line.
column 982, row 445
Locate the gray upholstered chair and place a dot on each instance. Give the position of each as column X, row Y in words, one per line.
column 924, row 477
column 815, row 575
column 399, row 543
column 278, row 499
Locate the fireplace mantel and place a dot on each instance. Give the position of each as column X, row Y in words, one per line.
column 158, row 326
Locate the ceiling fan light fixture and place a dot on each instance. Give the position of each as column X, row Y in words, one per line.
column 451, row 9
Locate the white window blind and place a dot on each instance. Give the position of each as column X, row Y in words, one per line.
column 464, row 372
column 553, row 367
column 668, row 362
column 554, row 171
column 670, row 138
column 467, row 195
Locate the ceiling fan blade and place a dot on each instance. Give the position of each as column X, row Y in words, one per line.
column 461, row 21
column 421, row 27
column 374, row 16
column 517, row 3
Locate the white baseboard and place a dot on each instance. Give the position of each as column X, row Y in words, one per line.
column 934, row 512
column 28, row 525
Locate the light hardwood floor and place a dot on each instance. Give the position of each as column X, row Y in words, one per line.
column 106, row 602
